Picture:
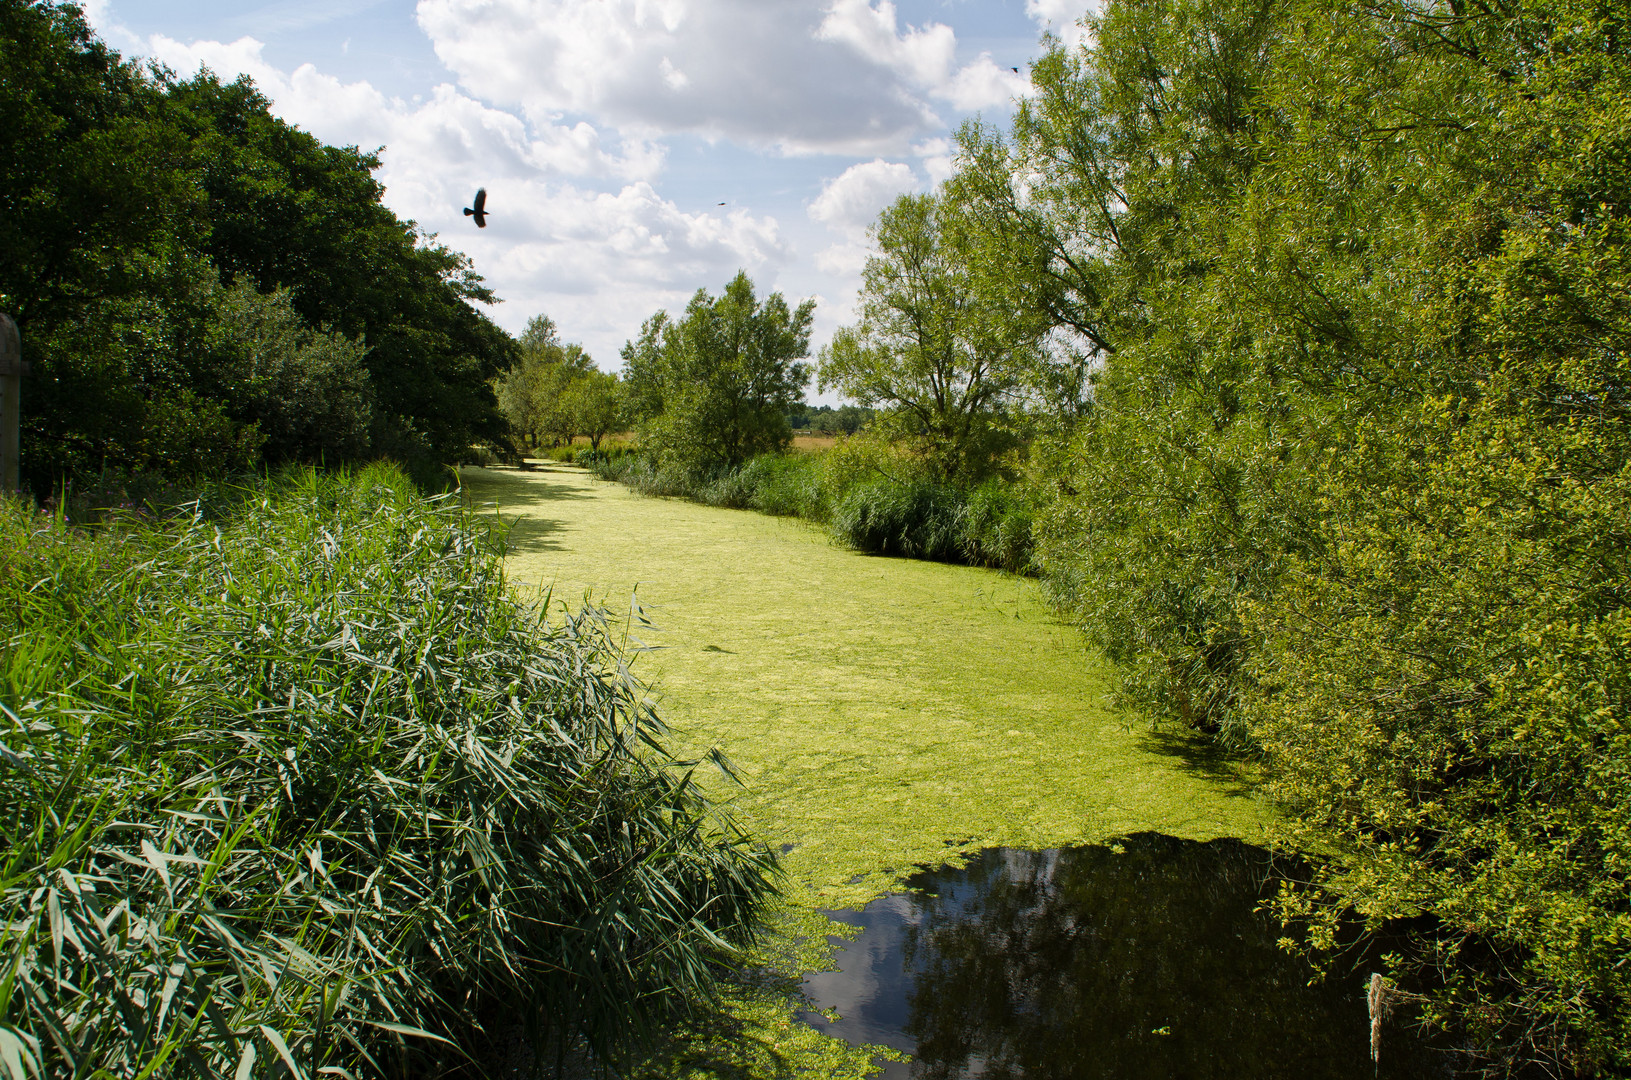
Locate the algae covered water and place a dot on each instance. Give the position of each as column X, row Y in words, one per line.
column 1147, row 958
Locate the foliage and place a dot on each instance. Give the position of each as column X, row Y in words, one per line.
column 534, row 395
column 596, row 403
column 1353, row 285
column 918, row 520
column 826, row 420
column 291, row 782
column 883, row 713
column 942, row 355
column 714, row 388
column 989, row 525
column 305, row 392
column 129, row 196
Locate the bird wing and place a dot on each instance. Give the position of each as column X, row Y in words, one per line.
column 481, row 199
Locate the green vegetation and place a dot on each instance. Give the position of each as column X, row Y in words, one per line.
column 293, row 782
column 714, row 388
column 554, row 393
column 880, row 712
column 191, row 276
column 826, row 420
column 1348, row 490
column 850, row 489
column 1287, row 343
column 943, row 352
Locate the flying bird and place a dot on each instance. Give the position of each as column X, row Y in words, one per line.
column 721, row 204
column 1014, row 70
column 480, row 211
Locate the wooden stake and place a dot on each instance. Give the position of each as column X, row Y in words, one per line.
column 12, row 370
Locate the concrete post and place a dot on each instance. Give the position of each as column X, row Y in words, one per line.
column 12, row 370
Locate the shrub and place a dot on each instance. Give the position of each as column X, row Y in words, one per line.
column 788, row 485
column 996, row 527
column 298, row 785
column 919, row 520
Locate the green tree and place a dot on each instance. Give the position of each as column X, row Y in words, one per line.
column 125, row 196
column 714, row 388
column 946, row 356
column 306, row 392
column 536, row 394
column 292, row 213
column 595, row 399
column 1350, row 479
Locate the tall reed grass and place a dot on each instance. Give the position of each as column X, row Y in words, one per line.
column 291, row 785
column 987, row 525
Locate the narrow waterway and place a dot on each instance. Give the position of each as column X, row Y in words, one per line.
column 882, row 713
column 1145, row 959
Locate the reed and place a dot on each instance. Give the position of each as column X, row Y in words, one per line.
column 291, row 784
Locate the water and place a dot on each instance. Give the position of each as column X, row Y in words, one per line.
column 1145, row 962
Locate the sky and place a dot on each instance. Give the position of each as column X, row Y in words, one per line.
column 633, row 151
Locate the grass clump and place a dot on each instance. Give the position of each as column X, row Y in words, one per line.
column 294, row 783
column 610, row 450
column 863, row 507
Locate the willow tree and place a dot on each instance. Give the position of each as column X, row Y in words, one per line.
column 1351, row 490
column 941, row 352
column 714, row 387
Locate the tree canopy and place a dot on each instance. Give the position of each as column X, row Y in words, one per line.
column 1348, row 489
column 536, row 395
column 715, row 387
column 942, row 351
column 133, row 210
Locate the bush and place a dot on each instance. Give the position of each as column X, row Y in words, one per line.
column 919, row 520
column 996, row 527
column 787, row 485
column 299, row 781
column 987, row 526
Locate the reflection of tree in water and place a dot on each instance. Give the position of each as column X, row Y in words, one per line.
column 1150, row 963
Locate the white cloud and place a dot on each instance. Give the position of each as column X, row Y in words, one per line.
column 1063, row 17
column 850, row 202
column 799, row 76
column 939, row 159
column 844, row 260
column 598, row 261
column 925, row 56
column 451, row 128
column 562, row 108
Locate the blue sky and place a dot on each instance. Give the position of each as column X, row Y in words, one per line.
column 608, row 131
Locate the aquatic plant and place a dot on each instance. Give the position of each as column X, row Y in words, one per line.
column 293, row 783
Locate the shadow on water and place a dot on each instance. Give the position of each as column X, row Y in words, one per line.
column 1146, row 959
column 1198, row 754
column 510, row 490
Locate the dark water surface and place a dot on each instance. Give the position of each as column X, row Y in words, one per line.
column 1145, row 962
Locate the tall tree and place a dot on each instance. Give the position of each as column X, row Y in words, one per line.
column 943, row 353
column 597, row 403
column 536, row 394
column 1350, row 486
column 714, row 388
column 128, row 197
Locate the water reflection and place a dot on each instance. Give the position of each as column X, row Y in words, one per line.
column 1147, row 960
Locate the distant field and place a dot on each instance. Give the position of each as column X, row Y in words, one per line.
column 806, row 443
